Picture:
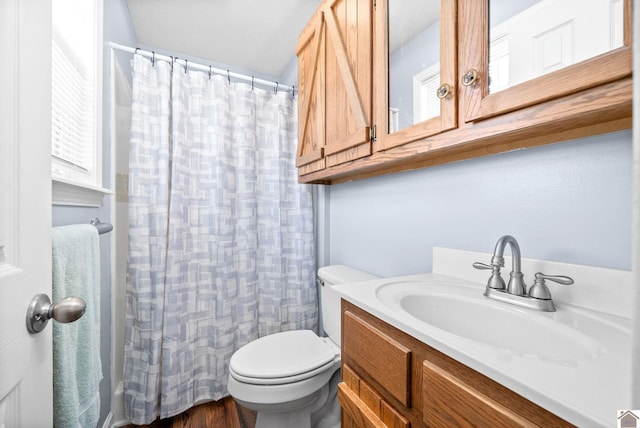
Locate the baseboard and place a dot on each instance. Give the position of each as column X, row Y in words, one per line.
column 107, row 421
column 118, row 416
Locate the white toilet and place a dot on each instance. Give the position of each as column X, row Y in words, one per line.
column 291, row 378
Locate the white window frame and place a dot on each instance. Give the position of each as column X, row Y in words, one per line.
column 71, row 185
column 426, row 104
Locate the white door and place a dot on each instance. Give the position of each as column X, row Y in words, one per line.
column 25, row 210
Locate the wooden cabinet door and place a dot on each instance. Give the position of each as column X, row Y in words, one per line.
column 449, row 400
column 311, row 112
column 475, row 41
column 335, row 80
column 363, row 406
column 348, row 32
column 413, row 125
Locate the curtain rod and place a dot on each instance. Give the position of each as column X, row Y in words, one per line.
column 202, row 67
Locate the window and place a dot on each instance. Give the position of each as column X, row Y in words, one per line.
column 426, row 104
column 76, row 95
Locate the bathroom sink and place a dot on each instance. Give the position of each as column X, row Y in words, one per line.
column 564, row 337
column 554, row 359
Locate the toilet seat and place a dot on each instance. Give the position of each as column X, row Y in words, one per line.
column 283, row 358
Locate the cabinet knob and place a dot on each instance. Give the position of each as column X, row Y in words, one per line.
column 443, row 91
column 469, row 77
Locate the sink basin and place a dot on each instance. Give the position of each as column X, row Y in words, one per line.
column 561, row 337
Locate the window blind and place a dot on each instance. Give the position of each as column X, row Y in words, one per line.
column 72, row 108
column 76, row 38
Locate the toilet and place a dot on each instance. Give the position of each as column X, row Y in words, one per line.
column 291, row 378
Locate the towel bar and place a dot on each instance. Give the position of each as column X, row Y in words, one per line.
column 102, row 227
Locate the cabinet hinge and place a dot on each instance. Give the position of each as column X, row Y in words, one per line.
column 374, row 4
column 372, row 133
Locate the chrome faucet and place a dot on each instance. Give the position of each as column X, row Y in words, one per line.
column 538, row 297
column 516, row 283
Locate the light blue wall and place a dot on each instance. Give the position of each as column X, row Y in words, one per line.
column 568, row 202
column 117, row 27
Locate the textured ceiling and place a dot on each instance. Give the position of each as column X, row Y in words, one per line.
column 256, row 35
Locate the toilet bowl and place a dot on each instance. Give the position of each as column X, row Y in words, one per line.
column 290, row 378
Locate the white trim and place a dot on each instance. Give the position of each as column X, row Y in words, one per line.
column 118, row 415
column 107, row 421
column 635, row 217
column 67, row 192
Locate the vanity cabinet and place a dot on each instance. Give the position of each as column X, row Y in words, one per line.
column 390, row 379
column 354, row 123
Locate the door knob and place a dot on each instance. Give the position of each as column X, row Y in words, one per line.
column 40, row 311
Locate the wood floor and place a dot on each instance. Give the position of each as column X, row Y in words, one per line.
column 216, row 414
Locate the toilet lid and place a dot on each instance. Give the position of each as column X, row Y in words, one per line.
column 282, row 355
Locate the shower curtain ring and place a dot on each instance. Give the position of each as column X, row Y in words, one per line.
column 277, row 84
column 153, row 58
column 209, row 72
column 228, row 76
column 185, row 66
column 252, row 79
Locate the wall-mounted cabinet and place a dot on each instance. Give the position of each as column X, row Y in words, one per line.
column 415, row 90
column 542, row 50
column 335, row 77
column 392, row 85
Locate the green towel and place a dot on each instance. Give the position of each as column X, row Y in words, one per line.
column 77, row 370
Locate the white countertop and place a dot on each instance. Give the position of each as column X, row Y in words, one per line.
column 586, row 392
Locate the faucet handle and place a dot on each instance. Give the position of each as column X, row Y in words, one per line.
column 539, row 289
column 560, row 279
column 495, row 281
column 482, row 266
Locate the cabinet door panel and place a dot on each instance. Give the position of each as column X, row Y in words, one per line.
column 371, row 349
column 311, row 120
column 360, row 415
column 348, row 26
column 363, row 406
column 450, row 401
column 480, row 104
column 397, row 68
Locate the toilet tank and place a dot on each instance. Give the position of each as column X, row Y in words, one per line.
column 330, row 300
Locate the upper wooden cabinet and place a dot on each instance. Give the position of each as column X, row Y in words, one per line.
column 385, row 89
column 551, row 49
column 415, row 52
column 335, row 76
column 311, row 112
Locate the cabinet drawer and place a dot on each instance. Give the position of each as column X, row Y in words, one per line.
column 384, row 359
column 362, row 406
column 448, row 401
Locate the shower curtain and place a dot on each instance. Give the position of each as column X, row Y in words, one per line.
column 221, row 245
